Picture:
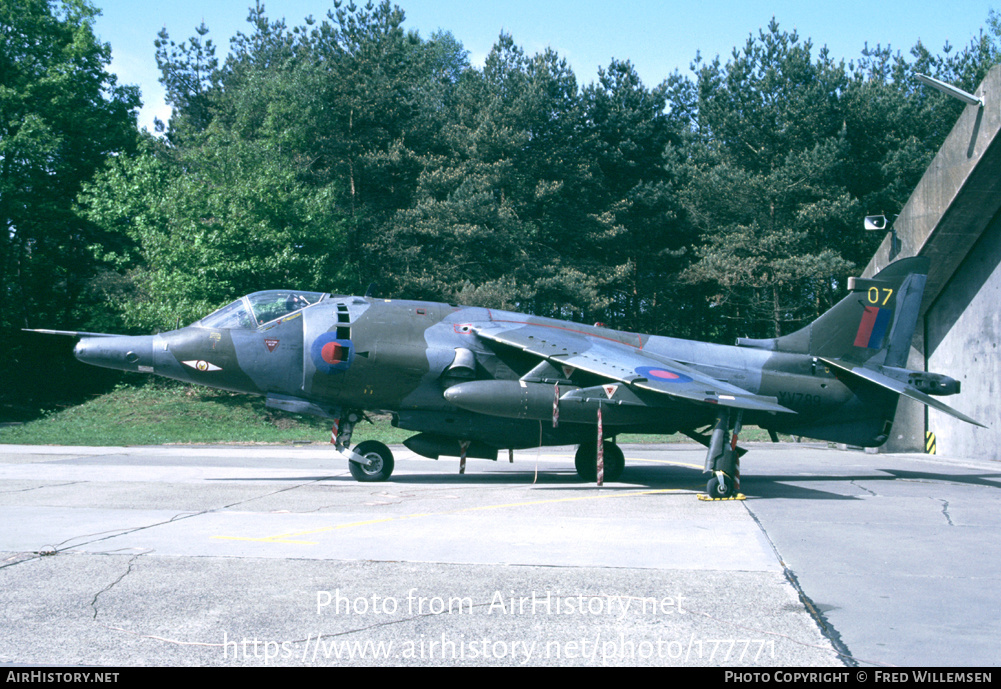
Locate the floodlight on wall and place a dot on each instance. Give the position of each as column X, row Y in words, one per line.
column 950, row 90
column 875, row 222
column 878, row 222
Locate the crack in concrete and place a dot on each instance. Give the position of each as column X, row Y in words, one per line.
column 945, row 511
column 93, row 601
column 47, row 485
column 861, row 487
column 267, row 495
column 56, row 549
column 827, row 630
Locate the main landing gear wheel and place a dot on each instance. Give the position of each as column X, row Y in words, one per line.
column 380, row 458
column 715, row 490
column 586, row 461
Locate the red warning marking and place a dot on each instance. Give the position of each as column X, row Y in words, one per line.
column 601, row 451
column 556, row 407
column 463, row 446
column 271, row 344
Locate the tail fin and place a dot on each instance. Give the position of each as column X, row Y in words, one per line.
column 876, row 319
column 867, row 337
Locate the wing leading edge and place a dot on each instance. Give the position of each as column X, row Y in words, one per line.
column 625, row 364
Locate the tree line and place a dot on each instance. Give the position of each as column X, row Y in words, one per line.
column 346, row 151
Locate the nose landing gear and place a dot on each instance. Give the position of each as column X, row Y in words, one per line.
column 370, row 460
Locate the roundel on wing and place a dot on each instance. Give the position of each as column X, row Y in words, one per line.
column 331, row 354
column 662, row 375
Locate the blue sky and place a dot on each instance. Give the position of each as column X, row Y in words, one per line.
column 657, row 37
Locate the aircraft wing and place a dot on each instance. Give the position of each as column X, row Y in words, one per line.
column 620, row 362
column 898, row 387
column 67, row 333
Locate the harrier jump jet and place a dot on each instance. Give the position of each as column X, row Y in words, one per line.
column 472, row 381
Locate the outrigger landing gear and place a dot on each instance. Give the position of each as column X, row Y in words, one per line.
column 370, row 460
column 723, row 457
column 586, row 461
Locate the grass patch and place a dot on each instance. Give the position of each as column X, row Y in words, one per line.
column 164, row 412
column 160, row 413
column 749, row 434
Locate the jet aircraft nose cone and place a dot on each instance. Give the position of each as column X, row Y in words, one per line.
column 125, row 353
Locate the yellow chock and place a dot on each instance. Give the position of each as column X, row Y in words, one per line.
column 706, row 498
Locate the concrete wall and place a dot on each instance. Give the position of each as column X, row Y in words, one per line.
column 956, row 198
column 962, row 335
column 953, row 218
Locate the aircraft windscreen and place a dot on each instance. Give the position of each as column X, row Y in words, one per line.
column 233, row 316
column 267, row 306
column 259, row 308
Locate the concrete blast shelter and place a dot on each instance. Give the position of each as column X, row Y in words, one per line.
column 953, row 218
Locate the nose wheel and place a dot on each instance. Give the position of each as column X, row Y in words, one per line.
column 368, row 461
column 380, row 462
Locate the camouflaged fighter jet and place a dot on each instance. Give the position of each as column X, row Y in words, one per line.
column 472, row 381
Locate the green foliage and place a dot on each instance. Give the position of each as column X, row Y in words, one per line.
column 208, row 224
column 492, row 208
column 640, row 236
column 167, row 412
column 766, row 182
column 349, row 150
column 61, row 116
column 786, row 151
column 187, row 70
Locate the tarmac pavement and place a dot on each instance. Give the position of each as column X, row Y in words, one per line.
column 264, row 555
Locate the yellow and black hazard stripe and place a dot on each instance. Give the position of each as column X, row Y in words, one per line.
column 930, row 447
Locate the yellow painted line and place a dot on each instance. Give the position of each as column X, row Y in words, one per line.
column 275, row 539
column 288, row 537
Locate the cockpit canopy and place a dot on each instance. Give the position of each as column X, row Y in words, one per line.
column 254, row 310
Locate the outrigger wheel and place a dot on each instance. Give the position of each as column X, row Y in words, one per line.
column 586, row 461
column 380, row 460
column 721, row 486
